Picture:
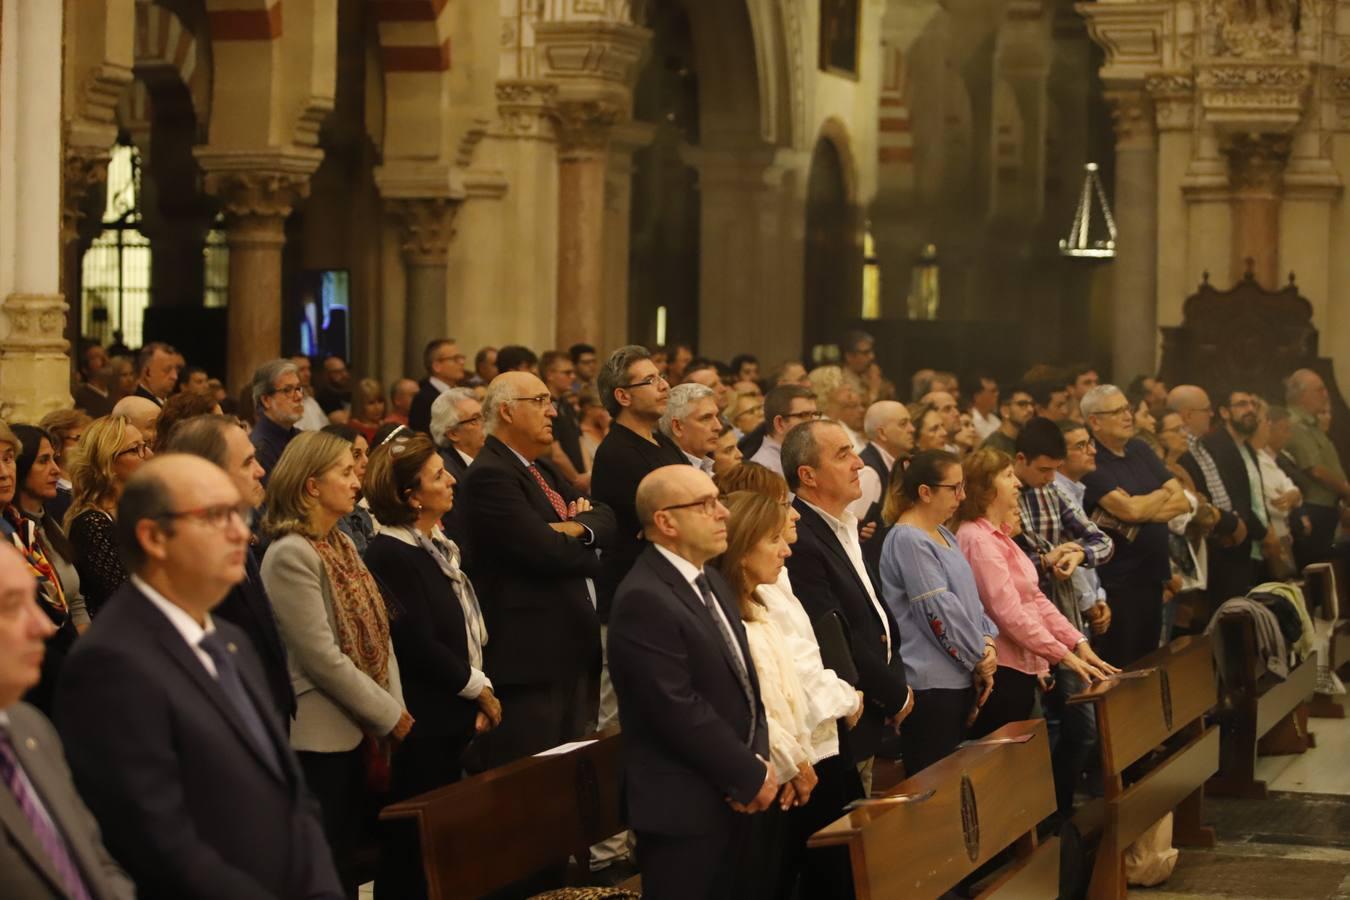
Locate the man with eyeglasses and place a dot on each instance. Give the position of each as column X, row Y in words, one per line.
column 445, row 369
column 278, row 404
column 313, row 417
column 559, row 373
column 166, row 716
column 785, row 407
column 1016, row 409
column 1131, row 496
column 691, row 422
column 143, row 414
column 530, row 542
column 696, row 740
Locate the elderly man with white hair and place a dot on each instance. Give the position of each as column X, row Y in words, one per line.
column 691, row 421
column 1328, row 490
column 457, row 429
column 143, row 413
column 1131, row 496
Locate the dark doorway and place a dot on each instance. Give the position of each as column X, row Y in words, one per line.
column 833, row 251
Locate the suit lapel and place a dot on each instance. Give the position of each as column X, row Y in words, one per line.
column 685, row 591
column 14, row 821
column 533, row 493
column 827, row 537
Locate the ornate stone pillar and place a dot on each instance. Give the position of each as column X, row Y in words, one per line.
column 256, row 202
column 1134, row 273
column 426, row 226
column 84, row 177
column 1255, row 165
column 594, row 63
column 626, row 140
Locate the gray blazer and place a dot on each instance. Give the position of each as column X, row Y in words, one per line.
column 25, row 871
column 336, row 703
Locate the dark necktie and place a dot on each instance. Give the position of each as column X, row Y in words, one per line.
column 51, row 840
column 730, row 639
column 555, row 498
column 227, row 676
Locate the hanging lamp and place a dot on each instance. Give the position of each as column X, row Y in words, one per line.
column 1082, row 241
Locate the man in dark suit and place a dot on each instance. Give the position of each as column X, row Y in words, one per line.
column 457, row 431
column 532, row 543
column 695, row 735
column 830, row 576
column 445, row 369
column 50, row 846
column 890, row 438
column 165, row 711
column 220, row 440
column 559, row 373
column 157, row 366
column 1232, row 571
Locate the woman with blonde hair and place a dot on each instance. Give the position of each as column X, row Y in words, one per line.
column 110, row 452
column 333, row 621
column 746, row 413
column 367, row 407
column 1033, row 633
column 66, row 426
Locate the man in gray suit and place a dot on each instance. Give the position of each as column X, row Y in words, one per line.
column 50, row 846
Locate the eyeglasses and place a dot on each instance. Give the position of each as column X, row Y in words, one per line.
column 293, row 390
column 1081, row 446
column 217, row 516
column 142, row 450
column 458, row 357
column 646, row 382
column 539, row 400
column 706, row 505
column 476, row 419
column 1114, row 412
column 958, row 489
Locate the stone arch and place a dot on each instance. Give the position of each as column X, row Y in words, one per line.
column 832, row 256
column 414, row 62
column 171, row 62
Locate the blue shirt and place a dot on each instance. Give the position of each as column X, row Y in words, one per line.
column 930, row 589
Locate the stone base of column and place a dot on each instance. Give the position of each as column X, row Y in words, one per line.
column 34, row 367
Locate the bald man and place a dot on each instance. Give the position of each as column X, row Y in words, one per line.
column 143, row 413
column 695, row 735
column 1314, row 453
column 1197, row 417
column 531, row 553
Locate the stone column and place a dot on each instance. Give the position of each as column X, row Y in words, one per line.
column 1255, row 165
column 625, row 140
column 583, row 158
column 427, row 225
column 1134, row 273
column 256, row 203
column 85, row 174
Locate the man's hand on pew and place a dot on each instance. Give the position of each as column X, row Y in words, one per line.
column 767, row 792
column 895, row 720
column 1099, row 618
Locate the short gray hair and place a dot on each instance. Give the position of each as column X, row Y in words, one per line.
column 1096, row 399
column 499, row 391
column 879, row 414
column 682, row 399
column 266, row 375
column 445, row 413
column 614, row 373
column 800, row 448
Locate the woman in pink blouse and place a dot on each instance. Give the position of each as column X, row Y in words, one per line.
column 1033, row 634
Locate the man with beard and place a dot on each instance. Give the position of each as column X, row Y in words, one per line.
column 1015, row 409
column 1233, row 564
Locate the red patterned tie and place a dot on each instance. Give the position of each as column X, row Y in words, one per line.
column 559, row 504
column 48, row 837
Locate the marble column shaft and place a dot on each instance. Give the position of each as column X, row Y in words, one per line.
column 583, row 161
column 427, row 226
column 1134, row 272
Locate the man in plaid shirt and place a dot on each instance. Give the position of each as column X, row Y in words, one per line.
column 1065, row 546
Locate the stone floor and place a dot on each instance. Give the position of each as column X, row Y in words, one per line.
column 1295, row 844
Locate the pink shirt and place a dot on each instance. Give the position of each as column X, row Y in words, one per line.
column 1032, row 633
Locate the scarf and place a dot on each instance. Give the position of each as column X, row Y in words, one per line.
column 26, row 540
column 446, row 554
column 358, row 609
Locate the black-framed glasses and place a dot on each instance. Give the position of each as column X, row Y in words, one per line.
column 959, row 488
column 142, row 450
column 216, row 516
column 539, row 400
column 706, row 505
column 646, row 382
column 1115, row 412
column 475, row 419
column 292, row 390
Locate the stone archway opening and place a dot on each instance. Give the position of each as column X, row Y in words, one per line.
column 832, row 256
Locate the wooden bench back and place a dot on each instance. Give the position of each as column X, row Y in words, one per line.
column 986, row 797
column 489, row 831
column 1135, row 715
column 1321, row 590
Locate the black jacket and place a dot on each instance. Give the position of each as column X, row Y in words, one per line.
column 871, row 548
column 567, row 432
column 419, row 414
column 1230, row 569
column 684, row 712
column 453, row 521
column 622, row 460
column 143, row 391
column 249, row 607
column 531, row 580
column 187, row 803
column 824, row 580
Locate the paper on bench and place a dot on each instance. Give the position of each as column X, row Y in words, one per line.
column 565, row 748
column 887, row 801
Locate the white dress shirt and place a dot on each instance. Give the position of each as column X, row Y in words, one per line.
column 468, row 460
column 857, row 437
column 984, row 425
column 440, row 386
column 690, row 572
column 313, row 418
column 769, row 455
column 870, row 482
column 182, row 622
column 846, row 530
column 699, row 462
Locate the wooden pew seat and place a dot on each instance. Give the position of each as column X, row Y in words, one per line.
column 967, row 809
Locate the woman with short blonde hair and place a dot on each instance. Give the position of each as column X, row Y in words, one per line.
column 334, row 623
column 367, row 407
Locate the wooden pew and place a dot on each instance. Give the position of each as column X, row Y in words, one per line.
column 490, row 831
column 1322, row 589
column 1135, row 716
column 1255, row 702
column 987, row 796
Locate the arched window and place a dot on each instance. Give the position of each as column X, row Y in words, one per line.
column 871, row 284
column 116, row 267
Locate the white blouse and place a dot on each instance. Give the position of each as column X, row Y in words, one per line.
column 784, row 699
column 828, row 697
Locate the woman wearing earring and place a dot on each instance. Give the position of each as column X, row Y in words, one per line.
column 349, row 699
column 359, row 524
column 438, row 634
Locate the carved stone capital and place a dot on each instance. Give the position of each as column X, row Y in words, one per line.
column 1132, row 113
column 258, row 194
column 1256, row 162
column 1240, row 97
column 527, row 108
column 83, row 169
column 1173, row 96
column 585, row 126
column 427, row 226
column 37, row 324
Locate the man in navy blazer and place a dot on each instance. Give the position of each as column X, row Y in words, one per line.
column 831, row 577
column 166, row 716
column 531, row 553
column 694, row 731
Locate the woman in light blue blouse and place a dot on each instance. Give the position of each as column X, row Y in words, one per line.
column 946, row 639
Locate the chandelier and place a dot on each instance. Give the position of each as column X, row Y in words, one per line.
column 1083, row 241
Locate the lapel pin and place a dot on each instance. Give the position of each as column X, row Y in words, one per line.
column 31, row 743
column 232, row 648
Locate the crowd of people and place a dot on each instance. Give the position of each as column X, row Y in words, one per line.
column 254, row 620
